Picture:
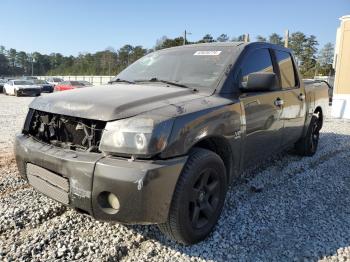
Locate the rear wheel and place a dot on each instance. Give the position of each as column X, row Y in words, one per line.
column 307, row 146
column 198, row 198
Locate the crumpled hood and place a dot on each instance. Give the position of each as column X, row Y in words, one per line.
column 112, row 102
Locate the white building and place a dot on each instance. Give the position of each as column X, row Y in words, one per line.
column 341, row 96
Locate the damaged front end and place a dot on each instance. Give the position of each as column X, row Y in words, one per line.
column 55, row 147
column 59, row 156
column 66, row 132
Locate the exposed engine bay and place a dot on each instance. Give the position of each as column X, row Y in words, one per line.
column 64, row 131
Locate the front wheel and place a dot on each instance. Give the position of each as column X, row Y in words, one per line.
column 198, row 198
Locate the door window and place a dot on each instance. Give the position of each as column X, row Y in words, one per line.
column 286, row 67
column 257, row 61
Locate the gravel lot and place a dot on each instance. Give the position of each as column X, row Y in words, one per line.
column 301, row 214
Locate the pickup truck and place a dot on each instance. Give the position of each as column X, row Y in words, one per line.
column 161, row 143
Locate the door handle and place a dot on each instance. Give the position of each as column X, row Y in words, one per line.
column 301, row 97
column 279, row 102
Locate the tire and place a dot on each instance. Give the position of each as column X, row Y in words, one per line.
column 198, row 198
column 307, row 146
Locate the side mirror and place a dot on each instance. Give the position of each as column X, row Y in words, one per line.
column 260, row 81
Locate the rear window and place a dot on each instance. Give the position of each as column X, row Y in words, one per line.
column 39, row 82
column 286, row 67
column 76, row 83
column 85, row 83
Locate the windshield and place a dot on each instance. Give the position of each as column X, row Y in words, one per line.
column 57, row 80
column 22, row 83
column 199, row 67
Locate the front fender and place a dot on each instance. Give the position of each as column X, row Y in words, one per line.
column 222, row 121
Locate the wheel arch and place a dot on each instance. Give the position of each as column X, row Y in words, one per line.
column 319, row 112
column 220, row 146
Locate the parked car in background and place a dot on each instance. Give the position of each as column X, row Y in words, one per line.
column 21, row 87
column 54, row 80
column 28, row 78
column 2, row 83
column 68, row 85
column 45, row 86
column 86, row 83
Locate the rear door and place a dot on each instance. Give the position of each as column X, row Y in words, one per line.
column 262, row 114
column 294, row 108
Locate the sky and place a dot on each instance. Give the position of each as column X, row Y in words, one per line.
column 71, row 27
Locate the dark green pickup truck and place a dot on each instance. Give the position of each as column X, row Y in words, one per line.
column 161, row 143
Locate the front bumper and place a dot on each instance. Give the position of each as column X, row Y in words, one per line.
column 29, row 91
column 144, row 188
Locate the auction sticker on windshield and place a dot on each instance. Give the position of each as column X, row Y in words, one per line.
column 207, row 53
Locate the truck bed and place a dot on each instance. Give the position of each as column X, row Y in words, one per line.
column 312, row 84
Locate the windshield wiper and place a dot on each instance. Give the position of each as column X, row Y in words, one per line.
column 155, row 79
column 118, row 80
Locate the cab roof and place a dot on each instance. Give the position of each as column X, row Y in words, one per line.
column 237, row 45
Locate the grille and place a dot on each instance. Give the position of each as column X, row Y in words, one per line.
column 28, row 90
column 48, row 183
column 65, row 131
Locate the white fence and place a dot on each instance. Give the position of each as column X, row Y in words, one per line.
column 95, row 80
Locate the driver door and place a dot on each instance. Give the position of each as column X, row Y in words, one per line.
column 262, row 111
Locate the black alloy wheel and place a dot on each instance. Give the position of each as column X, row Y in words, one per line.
column 198, row 198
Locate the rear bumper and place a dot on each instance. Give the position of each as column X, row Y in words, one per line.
column 47, row 89
column 144, row 188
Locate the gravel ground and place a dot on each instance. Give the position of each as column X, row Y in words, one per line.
column 12, row 113
column 301, row 212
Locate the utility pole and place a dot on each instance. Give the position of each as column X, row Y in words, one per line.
column 32, row 64
column 246, row 38
column 185, row 37
column 286, row 38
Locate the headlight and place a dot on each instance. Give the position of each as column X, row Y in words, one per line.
column 139, row 136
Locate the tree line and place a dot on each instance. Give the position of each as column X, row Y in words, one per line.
column 311, row 61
